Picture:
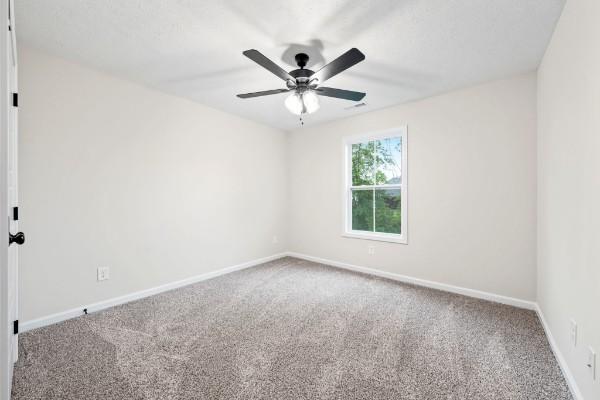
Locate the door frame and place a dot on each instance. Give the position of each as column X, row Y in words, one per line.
column 6, row 365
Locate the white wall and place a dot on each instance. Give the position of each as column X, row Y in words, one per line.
column 569, row 186
column 153, row 186
column 471, row 174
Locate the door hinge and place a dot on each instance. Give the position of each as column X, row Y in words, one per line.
column 15, row 213
column 16, row 327
column 15, row 99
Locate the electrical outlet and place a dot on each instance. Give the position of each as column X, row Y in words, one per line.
column 573, row 332
column 371, row 249
column 103, row 273
column 591, row 362
column 275, row 240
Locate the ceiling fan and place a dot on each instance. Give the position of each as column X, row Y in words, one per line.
column 304, row 83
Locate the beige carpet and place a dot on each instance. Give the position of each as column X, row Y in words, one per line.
column 292, row 329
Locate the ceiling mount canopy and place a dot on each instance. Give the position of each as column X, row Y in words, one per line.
column 304, row 83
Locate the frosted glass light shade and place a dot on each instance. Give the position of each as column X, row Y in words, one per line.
column 294, row 103
column 311, row 101
column 305, row 103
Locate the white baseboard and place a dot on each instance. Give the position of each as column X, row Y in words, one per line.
column 75, row 312
column 566, row 371
column 101, row 305
column 530, row 305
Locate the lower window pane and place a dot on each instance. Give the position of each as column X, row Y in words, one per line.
column 387, row 211
column 362, row 210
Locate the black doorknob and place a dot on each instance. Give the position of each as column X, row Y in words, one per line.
column 18, row 238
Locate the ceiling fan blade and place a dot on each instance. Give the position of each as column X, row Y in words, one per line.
column 340, row 93
column 342, row 63
column 263, row 93
column 264, row 62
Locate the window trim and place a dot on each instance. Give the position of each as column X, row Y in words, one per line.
column 402, row 238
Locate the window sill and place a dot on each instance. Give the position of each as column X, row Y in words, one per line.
column 391, row 238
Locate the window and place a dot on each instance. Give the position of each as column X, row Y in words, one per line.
column 375, row 190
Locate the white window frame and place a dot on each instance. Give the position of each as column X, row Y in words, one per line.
column 347, row 189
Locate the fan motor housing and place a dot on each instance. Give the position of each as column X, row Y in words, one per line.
column 301, row 73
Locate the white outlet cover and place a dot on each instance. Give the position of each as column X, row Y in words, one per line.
column 573, row 332
column 371, row 249
column 103, row 273
column 591, row 362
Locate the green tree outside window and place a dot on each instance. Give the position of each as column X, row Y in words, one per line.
column 376, row 186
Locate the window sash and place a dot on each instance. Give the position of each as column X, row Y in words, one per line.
column 372, row 188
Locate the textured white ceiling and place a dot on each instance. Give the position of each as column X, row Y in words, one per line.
column 193, row 49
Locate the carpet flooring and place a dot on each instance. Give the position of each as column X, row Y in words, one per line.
column 293, row 329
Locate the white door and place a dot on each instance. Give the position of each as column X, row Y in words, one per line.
column 8, row 198
column 12, row 181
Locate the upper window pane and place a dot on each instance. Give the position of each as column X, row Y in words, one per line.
column 388, row 161
column 363, row 163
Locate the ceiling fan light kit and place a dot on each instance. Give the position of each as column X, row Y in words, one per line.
column 304, row 83
column 306, row 102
